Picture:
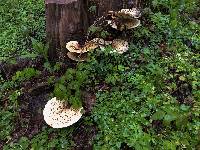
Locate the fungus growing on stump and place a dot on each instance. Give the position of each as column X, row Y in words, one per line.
column 58, row 115
column 78, row 52
column 120, row 46
column 124, row 19
column 127, row 24
column 75, row 47
column 134, row 12
column 77, row 56
column 117, row 21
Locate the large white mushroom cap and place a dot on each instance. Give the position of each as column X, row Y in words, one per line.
column 57, row 115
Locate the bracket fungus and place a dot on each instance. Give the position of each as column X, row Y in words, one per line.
column 125, row 24
column 101, row 42
column 78, row 52
column 120, row 46
column 124, row 19
column 134, row 12
column 77, row 56
column 75, row 47
column 58, row 115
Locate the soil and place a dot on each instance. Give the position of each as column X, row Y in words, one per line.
column 7, row 69
column 83, row 137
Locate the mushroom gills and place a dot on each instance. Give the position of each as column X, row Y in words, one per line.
column 77, row 56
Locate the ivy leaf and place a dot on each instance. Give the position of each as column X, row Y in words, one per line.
column 183, row 107
column 159, row 115
column 60, row 91
column 170, row 117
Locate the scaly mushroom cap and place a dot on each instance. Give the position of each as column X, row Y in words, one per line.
column 124, row 19
column 57, row 115
column 120, row 46
column 122, row 24
column 133, row 23
column 89, row 46
column 99, row 41
column 74, row 47
column 134, row 12
column 77, row 56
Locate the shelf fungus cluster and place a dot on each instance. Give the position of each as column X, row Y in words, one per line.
column 79, row 52
column 120, row 46
column 134, row 12
column 58, row 115
column 122, row 20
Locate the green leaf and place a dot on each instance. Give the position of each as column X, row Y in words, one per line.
column 170, row 117
column 168, row 145
column 60, row 91
column 159, row 115
column 184, row 107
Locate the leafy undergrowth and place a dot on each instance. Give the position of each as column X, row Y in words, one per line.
column 146, row 98
column 21, row 21
column 153, row 99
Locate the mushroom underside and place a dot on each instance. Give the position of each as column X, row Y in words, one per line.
column 77, row 56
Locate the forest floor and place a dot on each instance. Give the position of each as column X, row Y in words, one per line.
column 146, row 98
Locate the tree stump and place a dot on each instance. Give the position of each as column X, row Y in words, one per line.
column 65, row 20
column 68, row 20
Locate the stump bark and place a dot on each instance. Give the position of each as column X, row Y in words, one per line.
column 65, row 20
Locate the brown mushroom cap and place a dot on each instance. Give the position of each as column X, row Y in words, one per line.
column 124, row 24
column 120, row 46
column 74, row 47
column 99, row 41
column 124, row 19
column 77, row 56
column 57, row 115
column 132, row 23
column 89, row 46
column 134, row 12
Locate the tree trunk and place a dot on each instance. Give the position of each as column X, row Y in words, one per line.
column 65, row 20
column 69, row 20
